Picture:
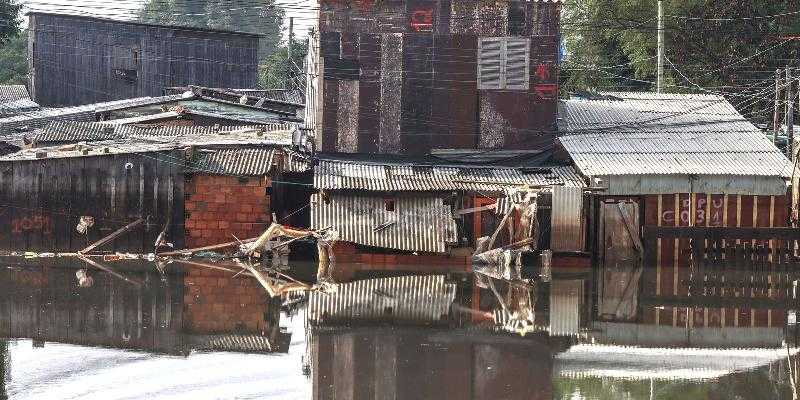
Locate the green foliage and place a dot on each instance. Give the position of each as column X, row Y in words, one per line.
column 13, row 61
column 259, row 16
column 9, row 20
column 727, row 46
column 274, row 70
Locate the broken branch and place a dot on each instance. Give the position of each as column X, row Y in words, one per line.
column 112, row 236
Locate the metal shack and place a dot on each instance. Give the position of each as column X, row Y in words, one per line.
column 424, row 214
column 201, row 185
column 77, row 60
column 689, row 188
column 407, row 76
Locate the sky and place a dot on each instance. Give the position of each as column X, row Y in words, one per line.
column 60, row 371
column 302, row 10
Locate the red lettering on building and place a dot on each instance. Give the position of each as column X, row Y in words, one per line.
column 422, row 20
column 33, row 223
column 543, row 72
column 546, row 91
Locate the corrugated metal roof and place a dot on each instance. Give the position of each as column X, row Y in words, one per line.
column 240, row 162
column 337, row 174
column 418, row 223
column 285, row 95
column 16, row 107
column 9, row 93
column 40, row 118
column 647, row 133
column 88, row 149
column 141, row 102
column 235, row 343
column 407, row 298
column 296, row 162
column 633, row 363
column 72, row 131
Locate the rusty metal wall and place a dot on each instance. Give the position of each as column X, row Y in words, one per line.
column 567, row 227
column 415, row 63
column 407, row 298
column 420, row 223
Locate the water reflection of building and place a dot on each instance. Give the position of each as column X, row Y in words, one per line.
column 424, row 363
column 135, row 308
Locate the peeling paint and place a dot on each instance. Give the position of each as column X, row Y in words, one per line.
column 391, row 92
column 347, row 117
column 493, row 125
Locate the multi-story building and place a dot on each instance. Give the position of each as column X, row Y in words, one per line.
column 408, row 76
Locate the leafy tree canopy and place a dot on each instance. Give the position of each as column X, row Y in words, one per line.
column 254, row 16
column 9, row 20
column 723, row 46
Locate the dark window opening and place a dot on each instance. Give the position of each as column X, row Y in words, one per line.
column 388, row 204
column 135, row 58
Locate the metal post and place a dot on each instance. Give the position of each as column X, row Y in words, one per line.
column 660, row 66
column 289, row 69
column 776, row 112
column 789, row 114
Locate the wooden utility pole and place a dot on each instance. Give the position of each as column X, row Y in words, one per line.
column 776, row 127
column 789, row 114
column 660, row 65
column 289, row 63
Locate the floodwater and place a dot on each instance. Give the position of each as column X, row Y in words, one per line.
column 134, row 333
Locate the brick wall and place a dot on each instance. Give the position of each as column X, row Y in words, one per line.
column 219, row 207
column 351, row 258
column 215, row 302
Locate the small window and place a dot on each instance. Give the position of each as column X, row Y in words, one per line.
column 503, row 63
column 135, row 57
column 388, row 204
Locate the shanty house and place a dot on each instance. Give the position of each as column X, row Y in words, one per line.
column 195, row 106
column 408, row 76
column 76, row 60
column 426, row 214
column 196, row 186
column 682, row 183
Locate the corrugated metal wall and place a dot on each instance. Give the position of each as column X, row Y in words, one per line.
column 671, row 275
column 418, row 223
column 567, row 219
column 407, row 298
column 41, row 201
column 566, row 298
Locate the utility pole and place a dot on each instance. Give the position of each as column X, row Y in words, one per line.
column 776, row 112
column 789, row 114
column 660, row 67
column 289, row 69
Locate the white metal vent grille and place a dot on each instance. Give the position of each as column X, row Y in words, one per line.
column 503, row 63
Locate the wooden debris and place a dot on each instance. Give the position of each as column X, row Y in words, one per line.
column 119, row 232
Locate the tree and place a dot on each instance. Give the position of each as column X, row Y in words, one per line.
column 253, row 16
column 9, row 20
column 723, row 46
column 274, row 71
column 13, row 60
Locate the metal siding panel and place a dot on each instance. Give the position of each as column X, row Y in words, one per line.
column 357, row 217
column 567, row 230
column 411, row 298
